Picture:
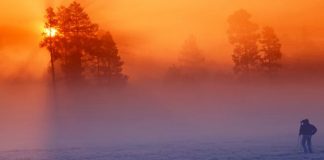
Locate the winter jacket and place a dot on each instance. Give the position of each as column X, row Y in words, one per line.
column 307, row 129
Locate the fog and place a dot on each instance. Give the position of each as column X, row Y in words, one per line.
column 32, row 118
column 149, row 35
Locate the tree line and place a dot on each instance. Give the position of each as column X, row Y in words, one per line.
column 82, row 52
column 257, row 52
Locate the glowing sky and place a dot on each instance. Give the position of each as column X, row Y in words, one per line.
column 152, row 31
column 149, row 35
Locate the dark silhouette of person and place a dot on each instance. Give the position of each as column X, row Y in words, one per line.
column 307, row 130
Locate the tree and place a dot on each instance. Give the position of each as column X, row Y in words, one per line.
column 74, row 31
column 190, row 55
column 191, row 64
column 104, row 63
column 243, row 34
column 270, row 51
column 50, row 39
column 78, row 42
column 77, row 30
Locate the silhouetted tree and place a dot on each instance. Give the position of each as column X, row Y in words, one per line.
column 270, row 51
column 49, row 40
column 79, row 47
column 104, row 63
column 243, row 34
column 77, row 30
column 74, row 30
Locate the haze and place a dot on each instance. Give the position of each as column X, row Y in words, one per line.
column 150, row 33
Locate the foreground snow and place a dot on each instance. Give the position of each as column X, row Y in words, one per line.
column 172, row 151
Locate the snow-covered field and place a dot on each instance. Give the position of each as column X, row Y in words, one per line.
column 220, row 123
column 229, row 150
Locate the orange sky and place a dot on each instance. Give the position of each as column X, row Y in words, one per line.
column 151, row 32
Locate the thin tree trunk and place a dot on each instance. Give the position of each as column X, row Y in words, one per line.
column 52, row 62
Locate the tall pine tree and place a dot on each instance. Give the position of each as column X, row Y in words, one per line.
column 270, row 51
column 103, row 64
column 77, row 30
column 243, row 34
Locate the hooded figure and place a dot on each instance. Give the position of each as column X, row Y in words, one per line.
column 307, row 130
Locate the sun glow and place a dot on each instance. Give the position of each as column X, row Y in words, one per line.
column 50, row 32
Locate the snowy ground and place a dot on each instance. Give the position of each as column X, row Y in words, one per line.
column 161, row 116
column 176, row 151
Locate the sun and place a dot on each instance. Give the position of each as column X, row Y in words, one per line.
column 50, row 32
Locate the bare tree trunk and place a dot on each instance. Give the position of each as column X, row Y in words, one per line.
column 52, row 62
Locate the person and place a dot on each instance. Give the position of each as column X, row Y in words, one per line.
column 307, row 130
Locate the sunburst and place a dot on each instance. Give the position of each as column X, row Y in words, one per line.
column 50, row 32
